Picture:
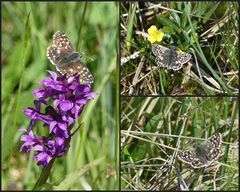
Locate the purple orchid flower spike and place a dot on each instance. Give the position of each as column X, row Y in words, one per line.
column 58, row 104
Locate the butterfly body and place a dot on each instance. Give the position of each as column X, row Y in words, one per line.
column 70, row 57
column 66, row 59
column 202, row 155
column 169, row 58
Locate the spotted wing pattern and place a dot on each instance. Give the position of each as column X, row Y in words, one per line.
column 169, row 58
column 66, row 59
column 204, row 154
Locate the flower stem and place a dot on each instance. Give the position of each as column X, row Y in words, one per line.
column 44, row 175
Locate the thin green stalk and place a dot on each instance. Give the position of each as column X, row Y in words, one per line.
column 44, row 175
column 81, row 24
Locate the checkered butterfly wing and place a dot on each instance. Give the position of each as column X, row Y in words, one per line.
column 212, row 146
column 203, row 154
column 192, row 158
column 169, row 58
column 66, row 59
column 162, row 55
column 60, row 49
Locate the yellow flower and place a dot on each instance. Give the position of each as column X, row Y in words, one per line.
column 154, row 34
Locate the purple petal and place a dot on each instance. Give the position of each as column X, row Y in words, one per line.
column 91, row 95
column 59, row 141
column 27, row 139
column 66, row 105
column 52, row 126
column 25, row 147
column 75, row 110
column 39, row 92
column 68, row 119
column 62, row 133
column 49, row 82
column 62, row 126
column 83, row 89
column 38, row 148
column 71, row 79
column 56, row 103
column 51, row 143
column 30, row 112
column 45, row 81
column 45, row 118
column 81, row 101
column 53, row 74
column 42, row 158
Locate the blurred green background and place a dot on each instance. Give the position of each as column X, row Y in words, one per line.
column 92, row 161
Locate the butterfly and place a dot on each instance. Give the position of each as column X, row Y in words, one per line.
column 66, row 59
column 202, row 155
column 169, row 58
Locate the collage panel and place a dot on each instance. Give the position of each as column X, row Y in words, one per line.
column 59, row 102
column 179, row 143
column 179, row 48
